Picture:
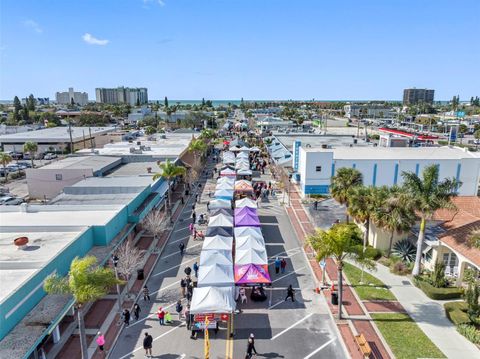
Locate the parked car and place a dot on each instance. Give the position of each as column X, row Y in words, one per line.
column 4, row 199
column 50, row 156
column 14, row 202
column 13, row 167
column 25, row 164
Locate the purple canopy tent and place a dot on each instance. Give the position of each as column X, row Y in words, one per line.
column 252, row 274
column 247, row 219
column 245, row 210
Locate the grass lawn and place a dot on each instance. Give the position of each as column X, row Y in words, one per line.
column 372, row 289
column 404, row 337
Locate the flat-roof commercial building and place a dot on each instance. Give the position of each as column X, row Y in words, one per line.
column 90, row 217
column 415, row 96
column 383, row 166
column 126, row 95
column 48, row 181
column 58, row 138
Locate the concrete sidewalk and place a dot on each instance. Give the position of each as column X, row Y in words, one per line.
column 429, row 315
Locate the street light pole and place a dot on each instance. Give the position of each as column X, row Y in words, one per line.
column 115, row 263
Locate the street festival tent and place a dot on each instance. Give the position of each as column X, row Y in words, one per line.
column 248, row 231
column 252, row 274
column 244, row 172
column 211, row 257
column 220, row 220
column 219, row 231
column 243, row 155
column 246, row 242
column 247, row 220
column 218, row 243
column 245, row 202
column 238, row 212
column 243, row 186
column 254, row 149
column 227, row 211
column 245, row 148
column 219, row 203
column 249, row 256
column 212, row 300
column 215, row 275
column 227, row 166
column 226, row 180
column 223, row 194
column 224, row 185
column 234, row 149
column 228, row 172
column 242, row 165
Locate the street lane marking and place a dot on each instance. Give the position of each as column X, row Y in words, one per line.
column 290, row 327
column 178, row 265
column 178, row 253
column 317, row 350
column 286, row 275
column 160, row 336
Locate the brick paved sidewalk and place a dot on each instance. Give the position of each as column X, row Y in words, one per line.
column 364, row 325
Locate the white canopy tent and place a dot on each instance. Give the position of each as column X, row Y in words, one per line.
column 227, row 172
column 223, row 193
column 254, row 149
column 234, row 149
column 213, row 300
column 245, row 148
column 244, row 172
column 248, row 231
column 215, row 275
column 218, row 242
column 220, row 203
column 210, row 257
column 226, row 180
column 245, row 202
column 220, row 220
column 225, row 185
column 249, row 242
column 242, row 155
column 251, row 256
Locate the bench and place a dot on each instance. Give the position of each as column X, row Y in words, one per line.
column 363, row 345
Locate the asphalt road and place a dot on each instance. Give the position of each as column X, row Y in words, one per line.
column 282, row 329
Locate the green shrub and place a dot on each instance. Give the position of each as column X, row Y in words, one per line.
column 437, row 277
column 437, row 293
column 405, row 250
column 469, row 332
column 457, row 312
column 370, row 252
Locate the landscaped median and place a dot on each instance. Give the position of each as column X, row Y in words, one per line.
column 402, row 334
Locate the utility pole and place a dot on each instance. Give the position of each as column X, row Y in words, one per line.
column 91, row 138
column 70, row 133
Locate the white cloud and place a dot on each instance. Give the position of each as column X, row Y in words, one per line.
column 91, row 40
column 159, row 2
column 33, row 25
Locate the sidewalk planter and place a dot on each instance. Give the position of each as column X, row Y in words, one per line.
column 437, row 293
column 456, row 312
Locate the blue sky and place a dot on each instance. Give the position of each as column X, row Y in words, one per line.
column 227, row 49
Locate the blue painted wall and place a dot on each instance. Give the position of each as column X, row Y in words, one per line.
column 317, row 189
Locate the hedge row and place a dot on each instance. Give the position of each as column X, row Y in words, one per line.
column 437, row 293
column 457, row 312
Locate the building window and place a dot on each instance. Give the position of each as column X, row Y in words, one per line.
column 318, row 168
column 58, row 176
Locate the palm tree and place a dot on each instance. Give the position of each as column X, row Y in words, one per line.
column 343, row 182
column 396, row 215
column 338, row 242
column 5, row 159
column 86, row 282
column 198, row 148
column 428, row 195
column 169, row 171
column 31, row 148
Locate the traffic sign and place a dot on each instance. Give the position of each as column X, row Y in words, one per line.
column 322, row 263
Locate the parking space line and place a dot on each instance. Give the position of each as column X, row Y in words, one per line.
column 320, row 348
column 290, row 327
column 286, row 275
column 178, row 253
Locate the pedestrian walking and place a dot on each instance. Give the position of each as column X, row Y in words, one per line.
column 194, row 234
column 168, row 318
column 183, row 200
column 277, row 265
column 194, row 217
column 252, row 339
column 186, row 314
column 250, row 349
column 315, row 205
column 208, row 206
column 182, row 248
column 193, row 204
column 136, row 311
column 183, row 287
column 191, row 227
column 146, row 293
column 147, row 344
column 283, row 265
column 188, row 272
column 161, row 316
column 195, row 269
column 100, row 341
column 179, row 308
column 196, row 197
column 126, row 317
column 290, row 293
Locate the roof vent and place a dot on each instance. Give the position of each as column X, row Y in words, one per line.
column 21, row 242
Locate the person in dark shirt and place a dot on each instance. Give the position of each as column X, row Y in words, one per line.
column 147, row 345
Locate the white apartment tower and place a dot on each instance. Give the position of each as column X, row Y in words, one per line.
column 66, row 98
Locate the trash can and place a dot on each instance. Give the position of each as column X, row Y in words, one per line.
column 335, row 298
column 140, row 274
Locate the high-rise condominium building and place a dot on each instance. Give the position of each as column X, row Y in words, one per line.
column 65, row 98
column 132, row 96
column 414, row 96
